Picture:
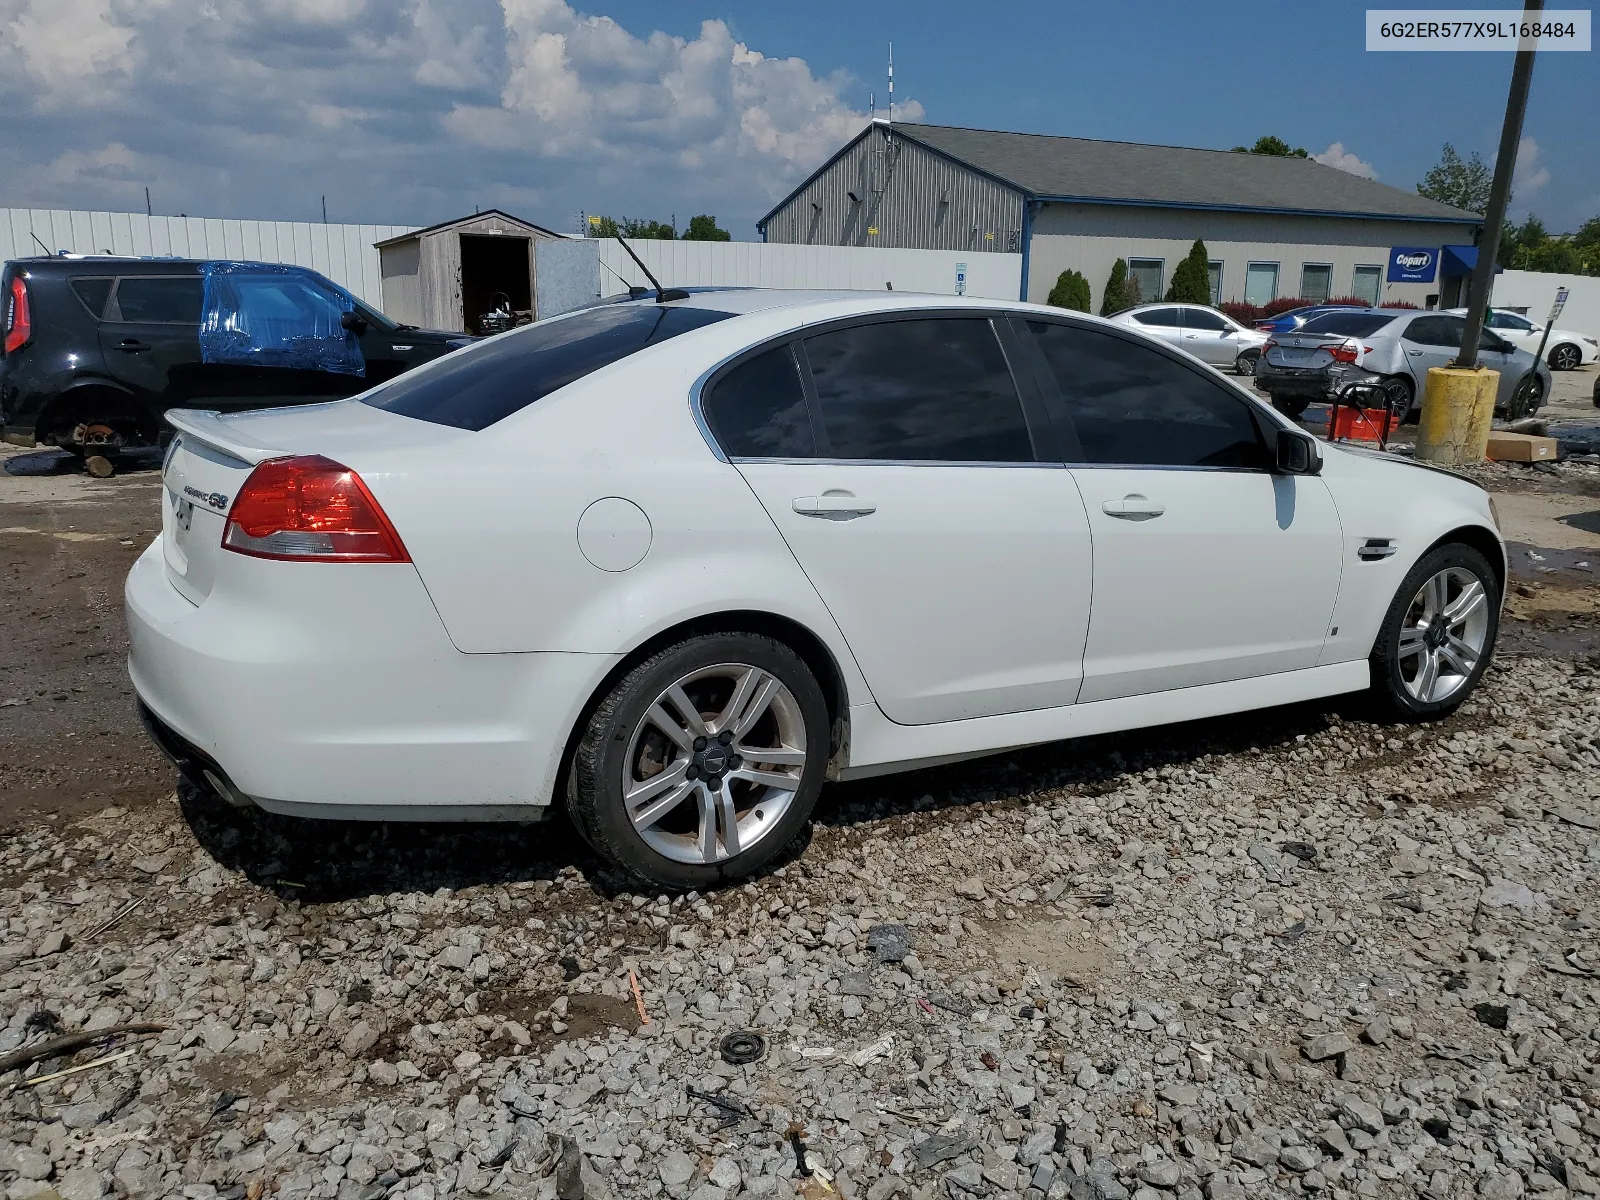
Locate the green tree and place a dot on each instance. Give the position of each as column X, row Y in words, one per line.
column 704, row 229
column 1191, row 281
column 1071, row 291
column 1587, row 243
column 630, row 227
column 1122, row 291
column 1463, row 183
column 1273, row 145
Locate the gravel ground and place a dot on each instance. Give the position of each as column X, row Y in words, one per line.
column 1287, row 953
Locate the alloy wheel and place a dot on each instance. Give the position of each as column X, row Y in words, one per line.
column 1525, row 400
column 1245, row 364
column 714, row 763
column 1398, row 395
column 1442, row 635
column 1564, row 358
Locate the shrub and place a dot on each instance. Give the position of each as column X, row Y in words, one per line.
column 1245, row 314
column 1398, row 304
column 1121, row 290
column 1352, row 301
column 1191, row 281
column 1071, row 291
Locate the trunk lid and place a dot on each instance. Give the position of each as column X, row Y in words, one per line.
column 1304, row 351
column 213, row 455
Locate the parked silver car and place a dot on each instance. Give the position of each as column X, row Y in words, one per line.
column 1211, row 336
column 1390, row 349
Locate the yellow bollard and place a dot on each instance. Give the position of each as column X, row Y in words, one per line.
column 1457, row 410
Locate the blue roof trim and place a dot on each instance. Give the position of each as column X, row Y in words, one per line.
column 1254, row 208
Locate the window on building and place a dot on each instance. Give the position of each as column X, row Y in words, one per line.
column 1316, row 281
column 1214, row 277
column 758, row 409
column 1131, row 405
column 1367, row 284
column 921, row 390
column 1148, row 272
column 1261, row 283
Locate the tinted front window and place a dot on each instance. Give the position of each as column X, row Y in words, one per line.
column 1132, row 405
column 924, row 390
column 94, row 293
column 758, row 409
column 487, row 382
column 1158, row 316
column 1346, row 324
column 161, row 299
column 1199, row 318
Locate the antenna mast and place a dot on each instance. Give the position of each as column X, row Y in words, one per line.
column 891, row 83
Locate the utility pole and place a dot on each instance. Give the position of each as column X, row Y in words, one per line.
column 147, row 210
column 324, row 210
column 1499, row 195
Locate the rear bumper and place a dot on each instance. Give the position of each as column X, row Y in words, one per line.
column 331, row 690
column 1320, row 384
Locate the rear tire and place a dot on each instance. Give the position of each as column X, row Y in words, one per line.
column 695, row 778
column 1424, row 664
column 1565, row 357
column 1527, row 398
column 1291, row 406
column 1401, row 397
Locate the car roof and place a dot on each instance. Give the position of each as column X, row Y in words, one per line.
column 78, row 264
column 839, row 302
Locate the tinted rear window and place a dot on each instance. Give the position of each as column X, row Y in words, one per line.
column 161, row 299
column 484, row 383
column 1347, row 324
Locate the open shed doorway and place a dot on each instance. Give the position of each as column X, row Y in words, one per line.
column 492, row 264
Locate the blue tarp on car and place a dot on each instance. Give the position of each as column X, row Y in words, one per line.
column 271, row 315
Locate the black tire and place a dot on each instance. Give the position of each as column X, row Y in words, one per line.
column 1291, row 406
column 1401, row 397
column 595, row 780
column 1389, row 691
column 1565, row 357
column 1245, row 364
column 1527, row 398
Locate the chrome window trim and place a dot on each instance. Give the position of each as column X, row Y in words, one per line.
column 893, row 462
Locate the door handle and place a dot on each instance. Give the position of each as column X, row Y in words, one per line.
column 1415, row 353
column 132, row 346
column 1133, row 507
column 833, row 506
column 1191, row 336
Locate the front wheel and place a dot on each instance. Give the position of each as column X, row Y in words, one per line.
column 1291, row 406
column 703, row 763
column 1526, row 399
column 1245, row 364
column 1438, row 635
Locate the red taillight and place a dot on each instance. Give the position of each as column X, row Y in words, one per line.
column 1343, row 353
column 310, row 509
column 1268, row 345
column 19, row 325
column 1264, row 326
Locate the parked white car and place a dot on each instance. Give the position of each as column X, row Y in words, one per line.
column 672, row 565
column 1209, row 334
column 1564, row 350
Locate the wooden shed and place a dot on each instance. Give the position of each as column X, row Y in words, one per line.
column 447, row 276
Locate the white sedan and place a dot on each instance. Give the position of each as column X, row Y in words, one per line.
column 1209, row 334
column 1564, row 350
column 671, row 565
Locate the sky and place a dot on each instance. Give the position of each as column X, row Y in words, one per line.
column 417, row 111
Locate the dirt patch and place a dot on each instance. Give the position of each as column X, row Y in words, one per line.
column 1059, row 948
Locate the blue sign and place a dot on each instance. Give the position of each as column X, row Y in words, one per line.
column 1413, row 264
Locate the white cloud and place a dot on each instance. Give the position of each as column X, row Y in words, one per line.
column 1530, row 174
column 1338, row 157
column 404, row 109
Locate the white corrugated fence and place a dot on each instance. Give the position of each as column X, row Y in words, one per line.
column 344, row 253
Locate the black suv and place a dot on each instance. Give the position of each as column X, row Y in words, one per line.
column 96, row 349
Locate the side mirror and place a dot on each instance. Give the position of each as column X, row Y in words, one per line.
column 1297, row 453
column 353, row 321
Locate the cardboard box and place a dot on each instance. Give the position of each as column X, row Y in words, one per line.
column 1520, row 447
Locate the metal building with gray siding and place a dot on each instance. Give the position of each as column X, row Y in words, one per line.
column 1273, row 227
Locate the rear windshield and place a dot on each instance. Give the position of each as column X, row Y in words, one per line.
column 1348, row 324
column 487, row 382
